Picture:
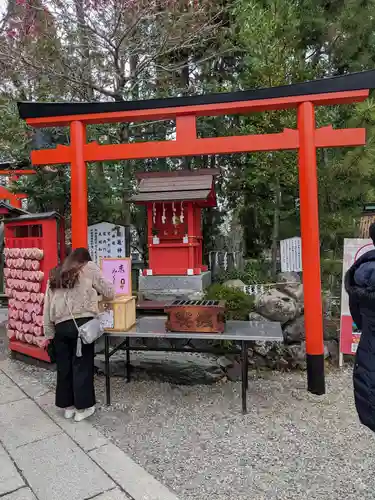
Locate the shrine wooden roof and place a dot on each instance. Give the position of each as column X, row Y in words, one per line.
column 30, row 217
column 11, row 210
column 177, row 186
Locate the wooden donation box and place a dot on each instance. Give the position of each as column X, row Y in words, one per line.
column 174, row 202
column 118, row 315
column 34, row 244
column 204, row 316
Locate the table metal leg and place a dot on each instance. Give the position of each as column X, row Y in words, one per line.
column 247, row 366
column 107, row 370
column 244, row 376
column 128, row 367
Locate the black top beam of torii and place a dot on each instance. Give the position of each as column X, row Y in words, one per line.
column 354, row 81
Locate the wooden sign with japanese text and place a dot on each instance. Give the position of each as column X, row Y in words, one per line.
column 118, row 272
column 106, row 240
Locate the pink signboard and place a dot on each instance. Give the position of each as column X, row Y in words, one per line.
column 118, row 272
column 354, row 248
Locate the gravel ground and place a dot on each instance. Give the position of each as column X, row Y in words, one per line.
column 291, row 445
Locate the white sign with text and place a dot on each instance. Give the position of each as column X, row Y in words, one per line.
column 106, row 241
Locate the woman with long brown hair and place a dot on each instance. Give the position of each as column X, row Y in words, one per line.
column 72, row 300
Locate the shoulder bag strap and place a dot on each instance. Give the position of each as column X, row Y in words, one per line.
column 79, row 340
column 70, row 311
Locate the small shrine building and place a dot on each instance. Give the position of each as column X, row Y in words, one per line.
column 174, row 202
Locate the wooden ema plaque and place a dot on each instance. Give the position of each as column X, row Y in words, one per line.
column 204, row 316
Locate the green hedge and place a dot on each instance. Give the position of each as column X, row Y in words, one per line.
column 255, row 271
column 238, row 303
column 331, row 274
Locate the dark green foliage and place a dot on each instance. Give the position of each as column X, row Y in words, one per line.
column 331, row 276
column 238, row 303
column 255, row 271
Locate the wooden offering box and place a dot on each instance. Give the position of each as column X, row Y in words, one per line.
column 119, row 314
column 206, row 316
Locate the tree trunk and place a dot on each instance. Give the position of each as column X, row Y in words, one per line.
column 83, row 36
column 86, row 74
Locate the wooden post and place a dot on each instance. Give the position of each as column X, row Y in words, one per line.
column 311, row 249
column 149, row 234
column 199, row 236
column 78, row 185
column 190, row 215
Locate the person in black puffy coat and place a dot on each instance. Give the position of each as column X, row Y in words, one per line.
column 360, row 286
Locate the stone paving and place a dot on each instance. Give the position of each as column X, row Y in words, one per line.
column 45, row 457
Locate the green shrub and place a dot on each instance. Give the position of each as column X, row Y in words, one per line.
column 238, row 303
column 331, row 270
column 233, row 274
column 255, row 271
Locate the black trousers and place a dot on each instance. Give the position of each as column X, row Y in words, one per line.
column 75, row 376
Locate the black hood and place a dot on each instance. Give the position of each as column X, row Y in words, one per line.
column 366, row 291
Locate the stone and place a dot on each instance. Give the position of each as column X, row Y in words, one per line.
column 178, row 343
column 331, row 328
column 332, row 347
column 137, row 342
column 170, row 288
column 234, row 372
column 290, row 283
column 22, row 494
column 84, row 434
column 295, row 331
column 254, row 316
column 262, row 348
column 23, row 422
column 269, row 355
column 154, row 342
column 180, row 368
column 326, row 352
column 258, row 362
column 236, row 284
column 115, row 494
column 276, row 306
column 171, row 295
column 201, row 343
column 56, row 468
column 289, row 277
column 281, row 364
column 10, row 480
column 296, row 355
column 26, row 384
column 300, row 309
column 132, row 478
column 9, row 391
column 224, row 362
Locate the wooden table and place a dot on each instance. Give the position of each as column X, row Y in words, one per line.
column 239, row 333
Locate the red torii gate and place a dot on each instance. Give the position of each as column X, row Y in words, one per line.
column 185, row 110
column 15, row 199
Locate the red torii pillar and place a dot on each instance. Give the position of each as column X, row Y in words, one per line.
column 309, row 216
column 305, row 139
column 78, row 183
